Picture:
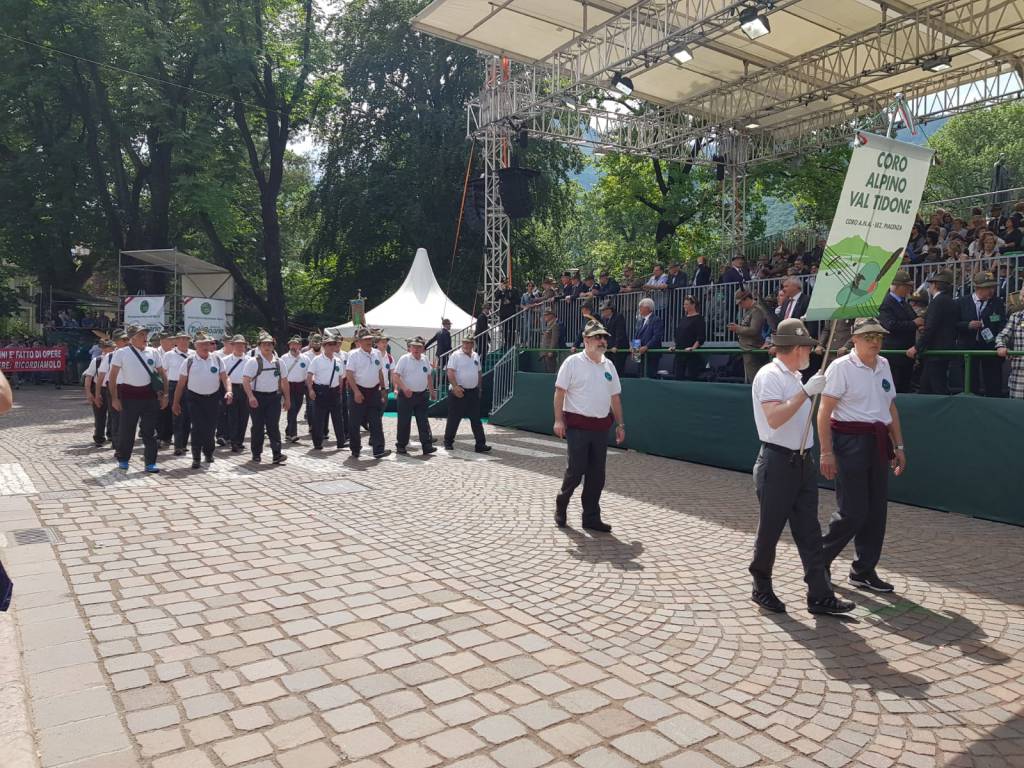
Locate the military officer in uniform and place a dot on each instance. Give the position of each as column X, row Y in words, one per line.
column 296, row 365
column 414, row 389
column 138, row 391
column 587, row 399
column 95, row 397
column 785, row 477
column 201, row 380
column 365, row 379
column 324, row 379
column 860, row 434
column 465, row 380
column 238, row 410
column 265, row 384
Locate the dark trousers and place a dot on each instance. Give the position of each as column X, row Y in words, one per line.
column 138, row 414
column 297, row 390
column 986, row 375
column 902, row 368
column 408, row 407
column 587, row 453
column 165, row 421
column 467, row 406
column 238, row 415
column 935, row 376
column 182, row 422
column 689, row 367
column 862, row 491
column 222, row 416
column 370, row 411
column 99, row 419
column 327, row 406
column 203, row 411
column 266, row 422
column 787, row 491
column 113, row 420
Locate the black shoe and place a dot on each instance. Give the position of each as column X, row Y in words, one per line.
column 429, row 449
column 339, row 446
column 830, row 605
column 293, row 438
column 195, row 464
column 355, row 454
column 482, row 448
column 449, row 446
column 871, row 582
column 402, row 451
column 221, row 442
column 97, row 443
column 178, row 452
column 768, row 600
column 236, row 449
column 382, row 454
column 318, row 447
column 256, row 459
column 208, row 458
column 280, row 458
column 560, row 519
column 597, row 525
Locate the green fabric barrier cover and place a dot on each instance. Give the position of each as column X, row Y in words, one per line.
column 962, row 452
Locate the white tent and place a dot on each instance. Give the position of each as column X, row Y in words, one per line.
column 415, row 309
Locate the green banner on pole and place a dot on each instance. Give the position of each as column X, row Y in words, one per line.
column 871, row 228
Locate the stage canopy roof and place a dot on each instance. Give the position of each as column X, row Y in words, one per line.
column 824, row 65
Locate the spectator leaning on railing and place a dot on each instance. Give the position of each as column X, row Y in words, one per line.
column 981, row 316
column 1012, row 338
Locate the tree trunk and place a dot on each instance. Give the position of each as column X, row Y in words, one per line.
column 277, row 317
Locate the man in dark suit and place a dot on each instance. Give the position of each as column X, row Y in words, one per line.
column 901, row 321
column 606, row 286
column 650, row 332
column 443, row 339
column 736, row 273
column 796, row 302
column 702, row 274
column 618, row 340
column 980, row 317
column 939, row 333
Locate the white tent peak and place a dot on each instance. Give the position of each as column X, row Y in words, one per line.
column 416, row 308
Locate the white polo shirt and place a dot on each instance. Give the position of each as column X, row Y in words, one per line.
column 588, row 386
column 133, row 372
column 466, row 367
column 173, row 361
column 864, row 394
column 234, row 367
column 365, row 366
column 414, row 373
column 295, row 367
column 266, row 380
column 387, row 362
column 327, row 371
column 104, row 369
column 776, row 383
column 93, row 367
column 203, row 374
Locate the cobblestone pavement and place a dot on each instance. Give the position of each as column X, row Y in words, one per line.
column 411, row 612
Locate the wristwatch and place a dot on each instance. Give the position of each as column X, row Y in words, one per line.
column 899, row 447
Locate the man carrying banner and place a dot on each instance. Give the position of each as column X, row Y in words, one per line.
column 785, row 477
column 860, row 434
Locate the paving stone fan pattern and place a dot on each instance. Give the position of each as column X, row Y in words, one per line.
column 411, row 613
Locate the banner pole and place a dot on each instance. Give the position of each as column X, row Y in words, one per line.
column 814, row 401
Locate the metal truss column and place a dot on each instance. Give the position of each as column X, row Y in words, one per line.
column 497, row 239
column 734, row 196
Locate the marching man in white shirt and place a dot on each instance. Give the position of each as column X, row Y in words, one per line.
column 264, row 385
column 165, row 424
column 238, row 409
column 785, row 478
column 93, row 395
column 861, row 438
column 201, row 379
column 296, row 364
column 173, row 360
column 464, row 379
column 324, row 380
column 103, row 388
column 138, row 391
column 587, row 399
column 365, row 379
column 413, row 383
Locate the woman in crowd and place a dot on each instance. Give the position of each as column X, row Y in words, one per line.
column 986, row 246
column 1012, row 236
column 691, row 333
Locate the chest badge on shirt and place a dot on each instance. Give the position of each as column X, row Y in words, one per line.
column 886, row 385
column 213, row 369
column 376, row 362
column 149, row 360
column 476, row 362
column 424, row 369
column 302, row 365
column 607, row 375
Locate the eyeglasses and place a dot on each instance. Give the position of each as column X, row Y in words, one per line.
column 872, row 336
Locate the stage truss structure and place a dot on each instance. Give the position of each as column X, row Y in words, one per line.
column 827, row 69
